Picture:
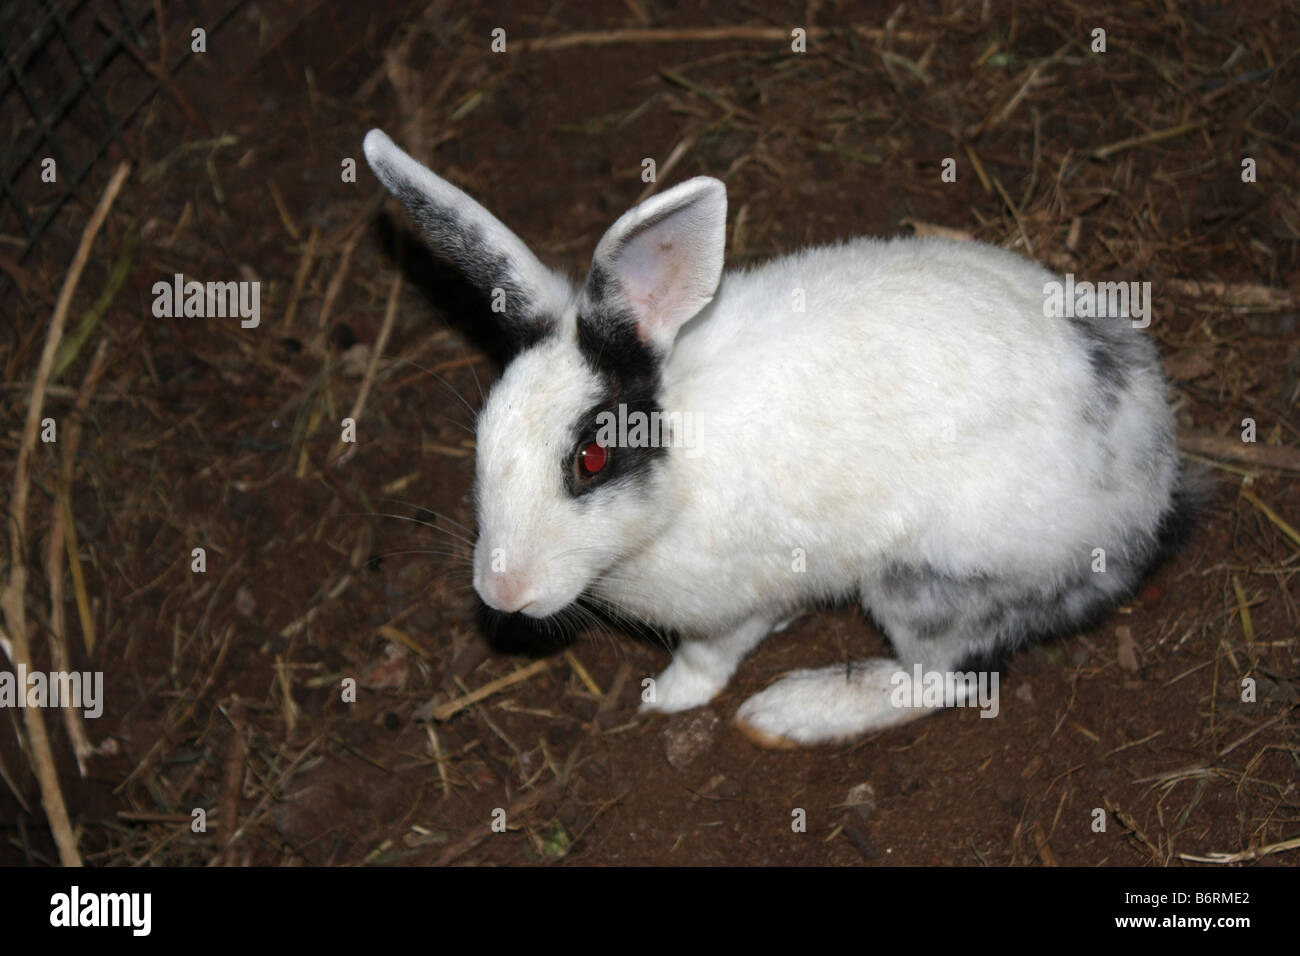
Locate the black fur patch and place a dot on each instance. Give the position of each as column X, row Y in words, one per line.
column 1105, row 351
column 607, row 333
column 913, row 584
column 486, row 269
column 611, row 348
column 1115, row 350
column 535, row 330
column 601, row 286
column 626, row 463
column 630, row 369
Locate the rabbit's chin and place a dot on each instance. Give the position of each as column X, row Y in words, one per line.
column 539, row 608
column 544, row 608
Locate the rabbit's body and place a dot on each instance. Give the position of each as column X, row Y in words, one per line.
column 959, row 493
column 919, row 436
column 913, row 447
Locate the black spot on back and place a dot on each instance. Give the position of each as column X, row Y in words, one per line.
column 1115, row 351
column 1104, row 351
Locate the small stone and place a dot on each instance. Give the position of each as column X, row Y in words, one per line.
column 1126, row 650
column 862, row 799
column 355, row 360
column 389, row 671
column 687, row 737
column 245, row 603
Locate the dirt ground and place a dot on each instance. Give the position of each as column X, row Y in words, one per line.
column 327, row 562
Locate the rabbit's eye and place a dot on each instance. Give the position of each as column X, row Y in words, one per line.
column 591, row 460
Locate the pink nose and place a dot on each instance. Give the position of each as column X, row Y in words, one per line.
column 506, row 592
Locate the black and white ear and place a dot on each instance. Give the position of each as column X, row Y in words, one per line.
column 491, row 256
column 662, row 260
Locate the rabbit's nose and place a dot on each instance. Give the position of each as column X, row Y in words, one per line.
column 506, row 592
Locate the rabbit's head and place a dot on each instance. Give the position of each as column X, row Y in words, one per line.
column 560, row 501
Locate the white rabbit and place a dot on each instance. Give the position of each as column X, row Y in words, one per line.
column 896, row 421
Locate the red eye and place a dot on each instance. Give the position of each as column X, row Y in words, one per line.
column 592, row 459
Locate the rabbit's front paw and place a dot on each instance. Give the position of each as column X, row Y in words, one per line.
column 825, row 705
column 701, row 668
column 681, row 686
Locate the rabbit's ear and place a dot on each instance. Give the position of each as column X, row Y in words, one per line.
column 661, row 262
column 471, row 238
